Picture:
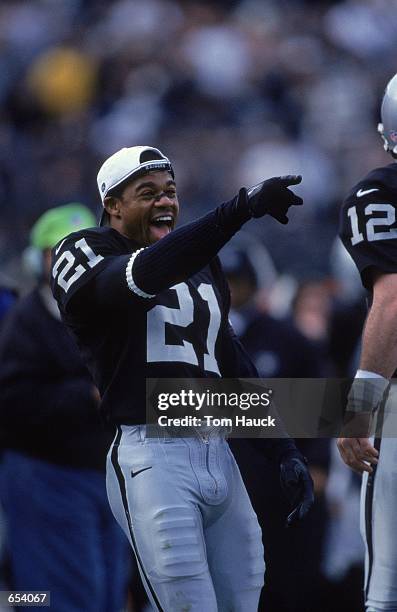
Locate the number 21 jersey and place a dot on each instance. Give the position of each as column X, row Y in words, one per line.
column 126, row 336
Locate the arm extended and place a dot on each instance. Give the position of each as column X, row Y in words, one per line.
column 188, row 249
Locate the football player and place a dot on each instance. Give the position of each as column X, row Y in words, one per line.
column 145, row 300
column 369, row 232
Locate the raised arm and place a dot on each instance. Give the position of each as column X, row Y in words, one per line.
column 92, row 262
column 186, row 250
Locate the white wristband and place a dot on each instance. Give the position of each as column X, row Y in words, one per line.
column 366, row 392
column 368, row 374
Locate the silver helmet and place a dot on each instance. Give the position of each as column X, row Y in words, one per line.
column 388, row 128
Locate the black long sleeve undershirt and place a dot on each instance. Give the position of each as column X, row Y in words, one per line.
column 173, row 259
column 189, row 248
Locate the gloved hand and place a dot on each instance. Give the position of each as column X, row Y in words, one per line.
column 272, row 197
column 297, row 485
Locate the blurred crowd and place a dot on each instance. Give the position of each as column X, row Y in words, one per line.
column 233, row 91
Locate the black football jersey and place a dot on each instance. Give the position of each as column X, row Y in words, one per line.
column 126, row 336
column 368, row 225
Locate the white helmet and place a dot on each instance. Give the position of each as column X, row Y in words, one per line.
column 388, row 127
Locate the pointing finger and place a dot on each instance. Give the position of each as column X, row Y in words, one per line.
column 290, row 179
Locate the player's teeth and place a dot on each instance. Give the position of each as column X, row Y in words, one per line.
column 162, row 219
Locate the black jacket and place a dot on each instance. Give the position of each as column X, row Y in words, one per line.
column 47, row 403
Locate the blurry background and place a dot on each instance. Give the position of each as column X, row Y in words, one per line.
column 232, row 91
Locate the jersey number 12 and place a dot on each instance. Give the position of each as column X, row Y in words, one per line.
column 387, row 219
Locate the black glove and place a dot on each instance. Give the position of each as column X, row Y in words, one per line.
column 272, row 197
column 297, row 485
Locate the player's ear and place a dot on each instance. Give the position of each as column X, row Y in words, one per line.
column 112, row 206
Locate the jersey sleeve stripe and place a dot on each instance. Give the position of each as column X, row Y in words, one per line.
column 130, row 281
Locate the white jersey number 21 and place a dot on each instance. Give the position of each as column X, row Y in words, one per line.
column 69, row 260
column 157, row 317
